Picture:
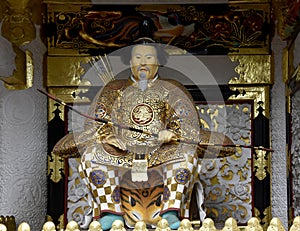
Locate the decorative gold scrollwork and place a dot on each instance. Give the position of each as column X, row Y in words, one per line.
column 266, row 216
column 261, row 164
column 55, row 167
column 61, row 224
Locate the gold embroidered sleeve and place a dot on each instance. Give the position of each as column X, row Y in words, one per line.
column 172, row 121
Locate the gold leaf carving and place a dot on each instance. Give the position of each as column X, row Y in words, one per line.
column 18, row 29
column 18, row 26
column 55, row 167
column 68, row 95
column 259, row 95
column 22, row 77
column 256, row 212
column 52, row 106
column 266, row 218
column 66, row 71
column 252, row 69
column 261, row 164
column 61, row 224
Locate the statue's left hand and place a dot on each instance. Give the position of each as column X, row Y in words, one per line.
column 166, row 136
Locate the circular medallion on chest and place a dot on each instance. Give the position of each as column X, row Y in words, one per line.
column 142, row 114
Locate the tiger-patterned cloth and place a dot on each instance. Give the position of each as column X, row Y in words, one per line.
column 169, row 188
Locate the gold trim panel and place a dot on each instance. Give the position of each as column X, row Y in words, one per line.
column 260, row 95
column 252, row 69
column 66, row 71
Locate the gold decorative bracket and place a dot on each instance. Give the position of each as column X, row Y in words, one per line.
column 261, row 164
column 55, row 167
column 254, row 79
column 258, row 94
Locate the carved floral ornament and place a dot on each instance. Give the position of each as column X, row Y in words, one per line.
column 18, row 19
column 18, row 27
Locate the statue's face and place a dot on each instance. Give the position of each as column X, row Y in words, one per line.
column 144, row 62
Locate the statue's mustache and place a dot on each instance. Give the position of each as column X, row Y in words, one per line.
column 143, row 67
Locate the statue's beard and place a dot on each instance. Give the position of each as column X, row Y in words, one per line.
column 143, row 82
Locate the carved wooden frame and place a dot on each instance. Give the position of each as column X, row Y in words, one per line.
column 250, row 84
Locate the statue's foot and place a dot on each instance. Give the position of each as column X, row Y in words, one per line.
column 172, row 218
column 107, row 220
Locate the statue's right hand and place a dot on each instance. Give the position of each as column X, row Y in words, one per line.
column 114, row 141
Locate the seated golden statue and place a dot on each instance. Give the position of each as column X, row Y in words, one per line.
column 141, row 158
